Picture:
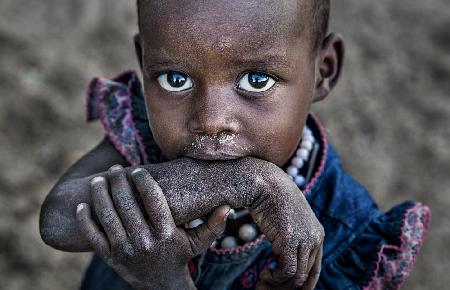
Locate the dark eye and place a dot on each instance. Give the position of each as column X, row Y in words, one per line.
column 256, row 82
column 175, row 81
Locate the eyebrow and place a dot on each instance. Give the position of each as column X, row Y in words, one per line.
column 162, row 63
column 272, row 60
column 264, row 61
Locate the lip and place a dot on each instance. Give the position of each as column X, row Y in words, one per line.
column 213, row 156
column 223, row 146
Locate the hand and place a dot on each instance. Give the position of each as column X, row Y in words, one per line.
column 148, row 255
column 285, row 217
column 277, row 206
column 193, row 188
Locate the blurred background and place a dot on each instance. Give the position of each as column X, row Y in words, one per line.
column 389, row 117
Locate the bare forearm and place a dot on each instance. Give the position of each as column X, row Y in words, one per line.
column 57, row 220
column 192, row 188
column 195, row 188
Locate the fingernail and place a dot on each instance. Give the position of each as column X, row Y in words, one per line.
column 80, row 207
column 137, row 170
column 98, row 179
column 227, row 214
column 116, row 167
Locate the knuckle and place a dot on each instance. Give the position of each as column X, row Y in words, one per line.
column 316, row 236
column 290, row 271
column 166, row 234
column 317, row 239
column 321, row 230
column 142, row 244
column 126, row 251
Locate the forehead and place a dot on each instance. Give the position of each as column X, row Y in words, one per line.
column 233, row 26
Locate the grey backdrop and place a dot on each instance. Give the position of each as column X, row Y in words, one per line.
column 389, row 117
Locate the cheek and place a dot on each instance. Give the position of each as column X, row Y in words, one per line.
column 281, row 127
column 166, row 124
column 281, row 138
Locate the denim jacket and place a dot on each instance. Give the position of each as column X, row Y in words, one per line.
column 364, row 248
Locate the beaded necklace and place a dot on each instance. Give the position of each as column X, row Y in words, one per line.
column 300, row 171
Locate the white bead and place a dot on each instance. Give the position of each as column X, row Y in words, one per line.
column 298, row 162
column 292, row 170
column 307, row 145
column 247, row 233
column 309, row 138
column 232, row 214
column 303, row 153
column 299, row 180
column 195, row 223
column 307, row 131
column 229, row 242
column 214, row 244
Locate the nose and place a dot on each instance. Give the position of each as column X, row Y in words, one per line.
column 214, row 112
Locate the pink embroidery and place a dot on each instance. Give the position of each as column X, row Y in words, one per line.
column 323, row 138
column 117, row 118
column 138, row 137
column 238, row 249
column 249, row 278
column 395, row 262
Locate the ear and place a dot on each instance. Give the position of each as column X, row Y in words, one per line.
column 330, row 59
column 138, row 48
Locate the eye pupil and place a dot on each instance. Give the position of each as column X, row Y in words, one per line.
column 176, row 80
column 258, row 80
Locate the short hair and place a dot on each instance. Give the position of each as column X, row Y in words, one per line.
column 320, row 12
column 321, row 18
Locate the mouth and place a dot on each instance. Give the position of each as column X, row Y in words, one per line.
column 213, row 156
column 219, row 147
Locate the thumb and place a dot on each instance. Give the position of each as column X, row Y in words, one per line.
column 205, row 234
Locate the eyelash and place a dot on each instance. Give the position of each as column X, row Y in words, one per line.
column 277, row 79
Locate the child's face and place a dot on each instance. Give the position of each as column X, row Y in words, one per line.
column 226, row 79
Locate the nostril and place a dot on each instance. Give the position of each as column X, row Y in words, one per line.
column 212, row 124
column 212, row 116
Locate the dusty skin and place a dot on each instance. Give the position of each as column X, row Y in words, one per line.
column 195, row 188
column 403, row 46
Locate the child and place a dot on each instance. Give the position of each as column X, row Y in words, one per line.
column 224, row 122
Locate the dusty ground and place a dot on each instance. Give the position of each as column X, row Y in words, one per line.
column 389, row 118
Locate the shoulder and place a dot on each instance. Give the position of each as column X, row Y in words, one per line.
column 364, row 247
column 119, row 105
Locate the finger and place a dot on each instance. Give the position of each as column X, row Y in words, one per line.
column 128, row 209
column 286, row 269
column 312, row 259
column 89, row 229
column 106, row 213
column 204, row 235
column 314, row 273
column 155, row 203
column 305, row 262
